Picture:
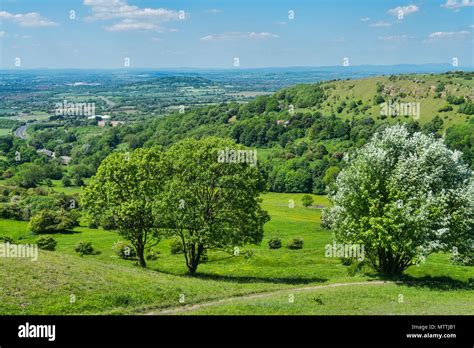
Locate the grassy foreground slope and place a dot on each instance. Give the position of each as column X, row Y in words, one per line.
column 106, row 284
column 386, row 299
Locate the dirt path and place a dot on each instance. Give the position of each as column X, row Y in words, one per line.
column 190, row 308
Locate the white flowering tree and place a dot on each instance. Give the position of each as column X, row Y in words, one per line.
column 403, row 197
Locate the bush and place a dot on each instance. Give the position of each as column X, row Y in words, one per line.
column 307, row 200
column 124, row 251
column 108, row 224
column 455, row 100
column 295, row 243
column 467, row 108
column 378, row 99
column 48, row 221
column 176, row 246
column 445, row 108
column 66, row 181
column 85, row 248
column 152, row 255
column 6, row 239
column 274, row 243
column 92, row 223
column 11, row 211
column 46, row 243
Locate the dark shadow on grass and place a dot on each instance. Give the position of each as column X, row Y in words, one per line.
column 250, row 279
column 66, row 232
column 442, row 283
column 438, row 283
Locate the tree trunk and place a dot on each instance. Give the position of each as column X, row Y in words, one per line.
column 141, row 257
column 194, row 258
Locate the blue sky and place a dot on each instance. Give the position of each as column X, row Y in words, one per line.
column 211, row 33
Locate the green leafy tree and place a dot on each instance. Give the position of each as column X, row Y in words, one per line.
column 29, row 175
column 461, row 137
column 123, row 192
column 330, row 175
column 404, row 197
column 208, row 203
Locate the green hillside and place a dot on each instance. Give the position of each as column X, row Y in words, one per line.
column 104, row 283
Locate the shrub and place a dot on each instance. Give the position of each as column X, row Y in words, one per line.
column 11, row 211
column 378, row 99
column 152, row 255
column 307, row 200
column 46, row 243
column 66, row 181
column 274, row 243
column 467, row 108
column 92, row 223
column 445, row 108
column 6, row 239
column 47, row 221
column 124, row 250
column 295, row 243
column 85, row 248
column 451, row 99
column 176, row 246
column 108, row 224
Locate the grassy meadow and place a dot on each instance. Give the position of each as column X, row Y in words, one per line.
column 62, row 282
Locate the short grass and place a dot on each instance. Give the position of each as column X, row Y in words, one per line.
column 104, row 283
column 70, row 190
column 422, row 91
column 387, row 299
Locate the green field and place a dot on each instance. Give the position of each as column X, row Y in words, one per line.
column 62, row 282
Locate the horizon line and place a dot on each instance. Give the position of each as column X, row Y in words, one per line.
column 243, row 68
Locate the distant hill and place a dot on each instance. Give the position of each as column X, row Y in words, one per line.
column 302, row 132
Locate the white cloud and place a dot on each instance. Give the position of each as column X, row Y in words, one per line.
column 365, row 19
column 457, row 4
column 239, row 36
column 395, row 37
column 447, row 35
column 2, row 33
column 129, row 24
column 405, row 10
column 132, row 17
column 380, row 24
column 31, row 19
column 213, row 11
column 113, row 9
